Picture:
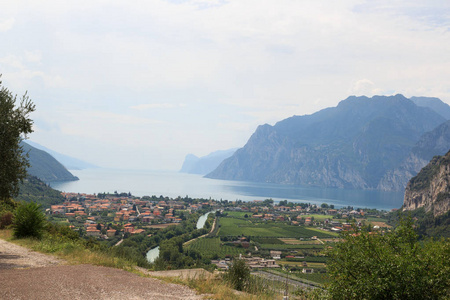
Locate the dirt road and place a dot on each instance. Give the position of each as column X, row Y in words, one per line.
column 25, row 274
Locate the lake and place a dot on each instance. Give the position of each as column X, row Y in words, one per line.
column 173, row 184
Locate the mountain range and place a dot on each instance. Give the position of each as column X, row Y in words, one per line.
column 205, row 164
column 362, row 143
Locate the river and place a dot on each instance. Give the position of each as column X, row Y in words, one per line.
column 153, row 254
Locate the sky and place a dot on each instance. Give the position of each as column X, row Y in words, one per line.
column 140, row 84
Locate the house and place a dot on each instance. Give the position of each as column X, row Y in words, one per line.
column 138, row 231
column 92, row 232
column 275, row 254
column 307, row 271
column 221, row 264
column 110, row 232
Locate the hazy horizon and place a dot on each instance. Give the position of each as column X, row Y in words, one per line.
column 140, row 85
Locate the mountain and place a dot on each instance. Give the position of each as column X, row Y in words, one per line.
column 34, row 189
column 206, row 164
column 435, row 104
column 435, row 142
column 69, row 162
column 352, row 145
column 46, row 167
column 430, row 188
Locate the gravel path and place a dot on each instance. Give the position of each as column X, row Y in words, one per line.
column 13, row 256
column 25, row 274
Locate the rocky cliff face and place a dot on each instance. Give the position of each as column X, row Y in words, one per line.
column 435, row 142
column 430, row 189
column 353, row 145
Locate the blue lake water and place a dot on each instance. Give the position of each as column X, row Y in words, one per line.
column 174, row 184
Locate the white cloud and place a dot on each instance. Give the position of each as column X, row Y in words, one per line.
column 33, row 56
column 6, row 25
column 157, row 106
column 364, row 87
column 231, row 65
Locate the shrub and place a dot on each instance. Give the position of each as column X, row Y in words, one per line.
column 29, row 220
column 6, row 219
column 238, row 274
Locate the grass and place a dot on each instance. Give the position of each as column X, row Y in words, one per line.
column 317, row 217
column 74, row 252
column 290, row 247
column 291, row 241
column 239, row 214
column 209, row 247
column 237, row 227
column 314, row 277
column 300, row 264
column 217, row 288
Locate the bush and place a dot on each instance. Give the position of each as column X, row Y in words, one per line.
column 29, row 220
column 6, row 219
column 393, row 265
column 238, row 274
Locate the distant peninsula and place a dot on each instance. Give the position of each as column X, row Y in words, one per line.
column 46, row 167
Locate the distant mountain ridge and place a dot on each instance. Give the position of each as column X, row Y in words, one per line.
column 46, row 167
column 69, row 162
column 432, row 143
column 205, row 164
column 352, row 145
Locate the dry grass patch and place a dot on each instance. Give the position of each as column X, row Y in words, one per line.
column 298, row 242
column 216, row 288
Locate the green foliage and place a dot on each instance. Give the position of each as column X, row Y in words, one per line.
column 256, row 228
column 212, row 248
column 29, row 220
column 393, row 265
column 6, row 219
column 274, row 241
column 426, row 224
column 44, row 166
column 14, row 126
column 32, row 189
column 238, row 274
column 423, row 178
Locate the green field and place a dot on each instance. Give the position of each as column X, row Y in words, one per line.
column 208, row 247
column 238, row 214
column 315, row 277
column 290, row 247
column 375, row 219
column 317, row 217
column 237, row 227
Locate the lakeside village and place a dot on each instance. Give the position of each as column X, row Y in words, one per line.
column 116, row 217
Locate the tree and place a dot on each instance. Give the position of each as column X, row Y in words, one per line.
column 29, row 220
column 393, row 265
column 14, row 127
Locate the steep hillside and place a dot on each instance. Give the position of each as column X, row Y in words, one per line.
column 352, row 145
column 69, row 162
column 430, row 189
column 45, row 167
column 205, row 164
column 33, row 189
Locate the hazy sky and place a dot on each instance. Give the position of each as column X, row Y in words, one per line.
column 140, row 84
